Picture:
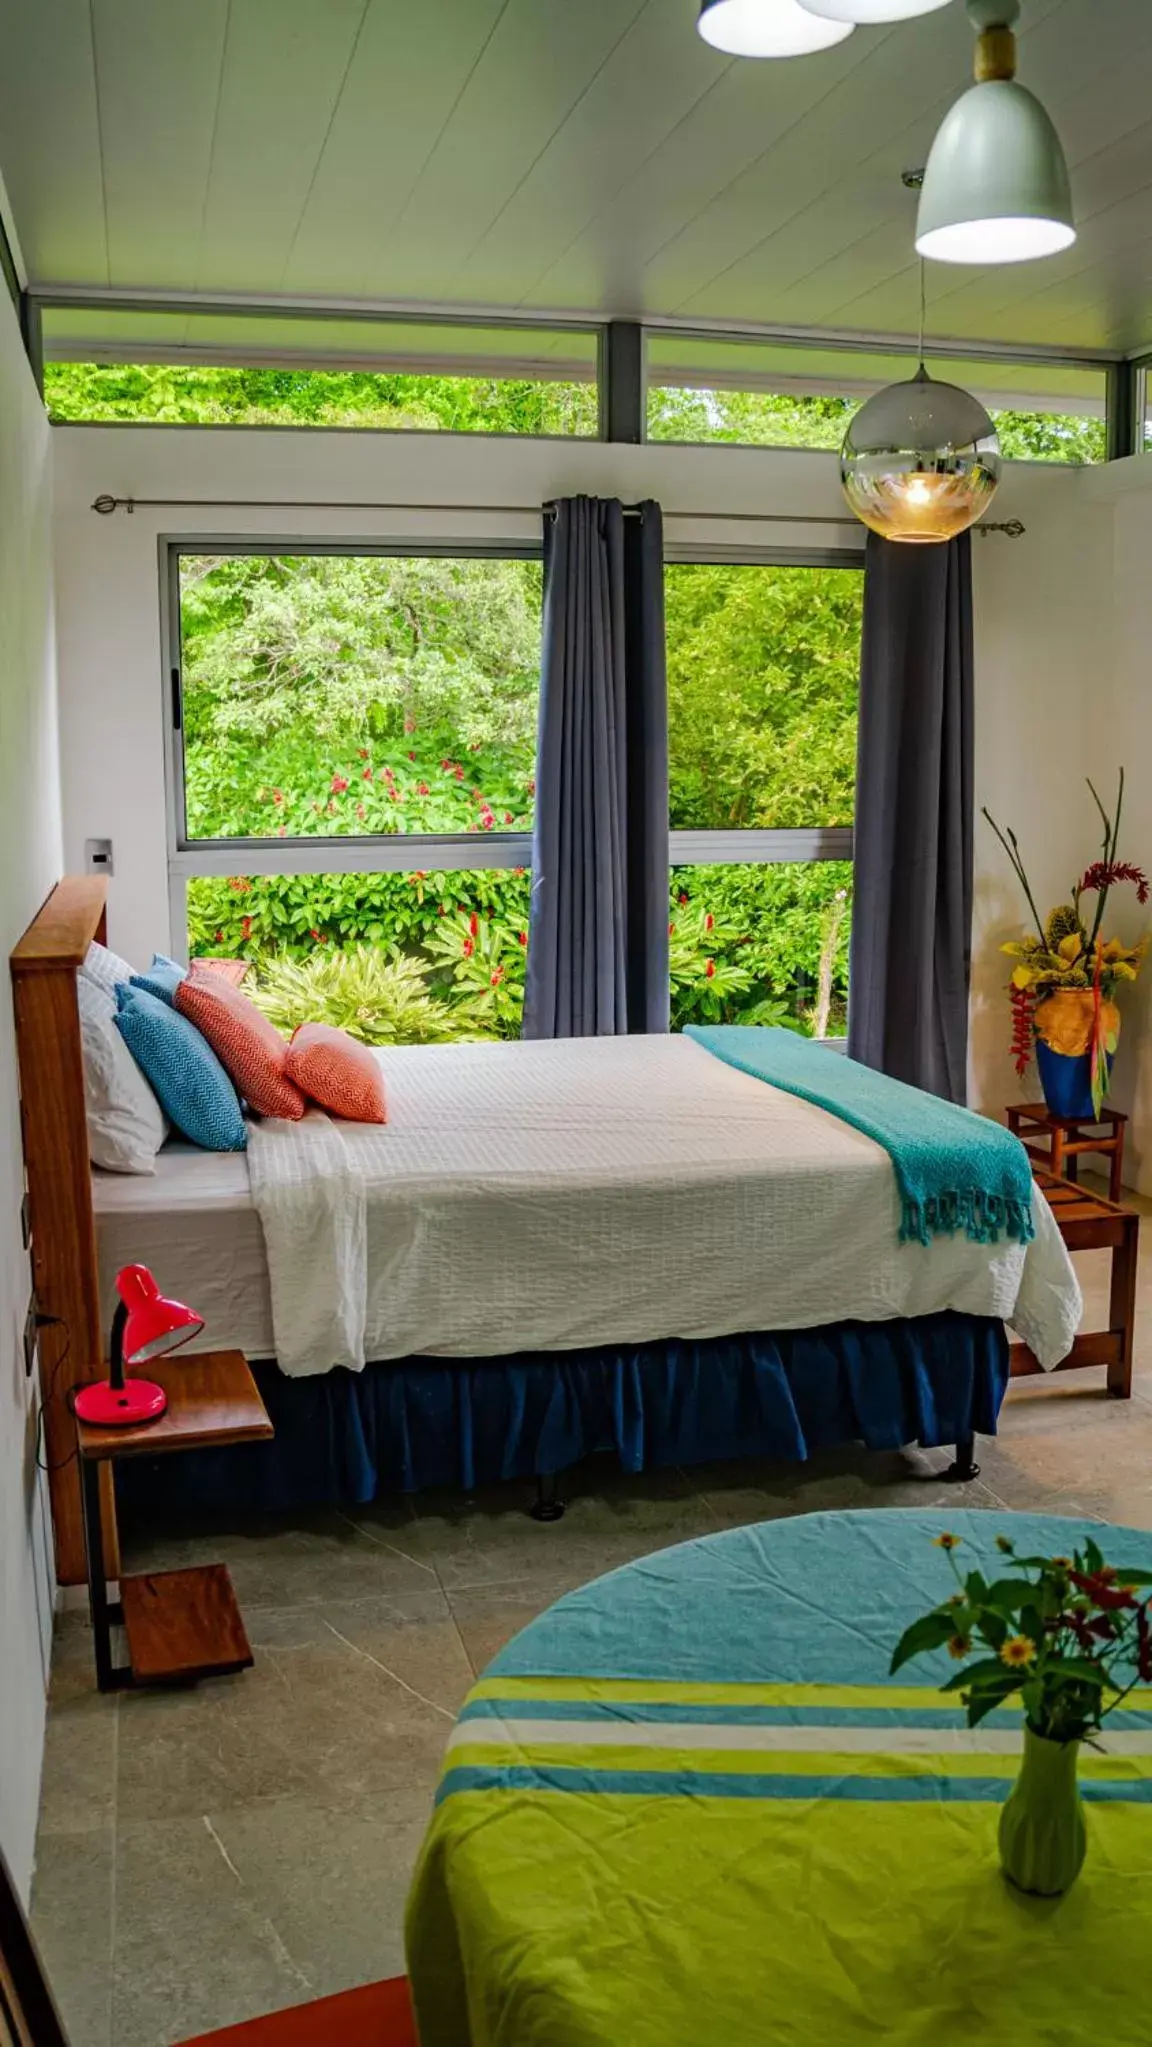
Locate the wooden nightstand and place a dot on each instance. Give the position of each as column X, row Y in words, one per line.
column 181, row 1625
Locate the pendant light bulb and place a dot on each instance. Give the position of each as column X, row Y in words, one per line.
column 861, row 13
column 996, row 186
column 767, row 28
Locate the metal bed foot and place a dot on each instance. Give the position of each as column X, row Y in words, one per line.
column 546, row 1506
column 965, row 1467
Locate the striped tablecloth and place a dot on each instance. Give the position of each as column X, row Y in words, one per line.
column 687, row 1808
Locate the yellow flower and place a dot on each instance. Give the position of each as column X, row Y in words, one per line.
column 946, row 1541
column 1018, row 1652
column 959, row 1647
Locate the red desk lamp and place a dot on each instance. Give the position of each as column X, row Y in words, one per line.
column 144, row 1326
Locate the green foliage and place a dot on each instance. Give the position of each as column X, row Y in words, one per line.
column 379, row 1000
column 764, row 419
column 175, row 394
column 763, row 685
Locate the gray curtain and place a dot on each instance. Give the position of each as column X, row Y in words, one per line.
column 912, row 915
column 598, row 933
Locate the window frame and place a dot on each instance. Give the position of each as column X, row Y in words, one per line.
column 402, row 852
column 359, row 853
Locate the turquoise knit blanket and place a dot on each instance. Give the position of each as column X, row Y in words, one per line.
column 955, row 1171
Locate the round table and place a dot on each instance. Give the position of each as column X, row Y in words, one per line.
column 688, row 1807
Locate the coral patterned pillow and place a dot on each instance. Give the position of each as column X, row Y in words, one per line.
column 249, row 1048
column 338, row 1072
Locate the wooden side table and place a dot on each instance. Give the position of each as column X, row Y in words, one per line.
column 181, row 1625
column 1069, row 1137
column 1089, row 1223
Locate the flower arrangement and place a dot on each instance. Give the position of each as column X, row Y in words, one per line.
column 1069, row 958
column 1062, row 1631
column 1072, row 1635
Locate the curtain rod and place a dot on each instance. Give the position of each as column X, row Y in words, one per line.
column 106, row 504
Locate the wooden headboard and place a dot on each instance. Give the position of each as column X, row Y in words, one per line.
column 55, row 1132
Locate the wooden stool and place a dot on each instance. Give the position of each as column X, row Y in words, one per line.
column 1068, row 1142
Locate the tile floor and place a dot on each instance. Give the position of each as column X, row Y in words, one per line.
column 207, row 1855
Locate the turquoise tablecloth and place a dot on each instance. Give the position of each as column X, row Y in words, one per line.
column 688, row 1806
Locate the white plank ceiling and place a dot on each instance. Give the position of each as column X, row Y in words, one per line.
column 554, row 155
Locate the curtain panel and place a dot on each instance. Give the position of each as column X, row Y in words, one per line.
column 598, row 931
column 912, row 917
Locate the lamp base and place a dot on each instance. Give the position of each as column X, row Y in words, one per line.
column 104, row 1406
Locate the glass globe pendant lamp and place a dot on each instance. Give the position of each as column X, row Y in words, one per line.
column 767, row 28
column 996, row 187
column 920, row 462
column 862, row 12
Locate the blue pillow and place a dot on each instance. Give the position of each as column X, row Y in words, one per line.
column 183, row 1069
column 162, row 979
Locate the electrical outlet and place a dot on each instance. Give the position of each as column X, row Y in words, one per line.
column 31, row 1336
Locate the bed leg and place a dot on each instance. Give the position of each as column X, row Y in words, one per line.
column 965, row 1467
column 546, row 1506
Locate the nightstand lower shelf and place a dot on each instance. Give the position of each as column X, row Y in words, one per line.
column 183, row 1625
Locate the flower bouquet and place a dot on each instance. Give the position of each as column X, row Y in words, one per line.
column 1072, row 1636
column 1062, row 990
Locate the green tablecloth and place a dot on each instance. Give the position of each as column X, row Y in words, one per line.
column 688, row 1808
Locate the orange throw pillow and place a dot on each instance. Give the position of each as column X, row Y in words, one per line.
column 338, row 1072
column 249, row 1048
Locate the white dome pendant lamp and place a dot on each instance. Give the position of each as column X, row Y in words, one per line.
column 863, row 12
column 767, row 28
column 996, row 187
column 920, row 461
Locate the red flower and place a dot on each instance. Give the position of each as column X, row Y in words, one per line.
column 422, row 789
column 683, row 901
column 394, row 793
column 671, row 931
column 1100, row 1587
column 497, row 977
column 1106, row 873
column 474, row 924
column 239, row 885
column 1023, row 1001
column 277, row 795
column 362, row 753
column 367, row 775
column 409, row 724
column 219, row 938
column 1144, row 1646
column 507, row 817
column 469, row 948
column 339, row 784
column 443, row 910
column 459, row 774
column 411, row 756
column 281, row 830
column 521, row 938
column 531, row 788
column 478, row 796
column 313, row 933
column 709, row 922
column 360, row 812
column 388, row 775
column 519, row 870
column 447, row 767
column 709, row 969
column 245, row 927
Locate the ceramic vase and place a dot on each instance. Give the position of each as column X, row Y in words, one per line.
column 1042, row 1837
column 1064, row 1025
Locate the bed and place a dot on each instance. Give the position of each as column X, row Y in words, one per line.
column 550, row 1248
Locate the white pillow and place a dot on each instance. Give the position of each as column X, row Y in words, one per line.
column 126, row 1125
column 106, row 968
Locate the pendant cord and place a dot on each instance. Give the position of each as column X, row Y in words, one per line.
column 923, row 307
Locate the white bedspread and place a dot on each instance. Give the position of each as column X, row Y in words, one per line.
column 551, row 1196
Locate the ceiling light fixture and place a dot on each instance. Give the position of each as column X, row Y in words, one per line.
column 862, row 12
column 920, row 461
column 996, row 187
column 767, row 28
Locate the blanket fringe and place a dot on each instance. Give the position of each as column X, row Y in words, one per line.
column 984, row 1218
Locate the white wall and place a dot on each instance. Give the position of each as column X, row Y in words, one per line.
column 30, row 864
column 1030, row 616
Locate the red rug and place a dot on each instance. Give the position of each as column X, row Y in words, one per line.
column 378, row 2016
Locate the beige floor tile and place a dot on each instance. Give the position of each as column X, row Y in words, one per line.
column 351, row 1702
column 72, row 1923
column 489, row 1615
column 306, row 1560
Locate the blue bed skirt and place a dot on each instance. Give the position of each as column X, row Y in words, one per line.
column 346, row 1438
